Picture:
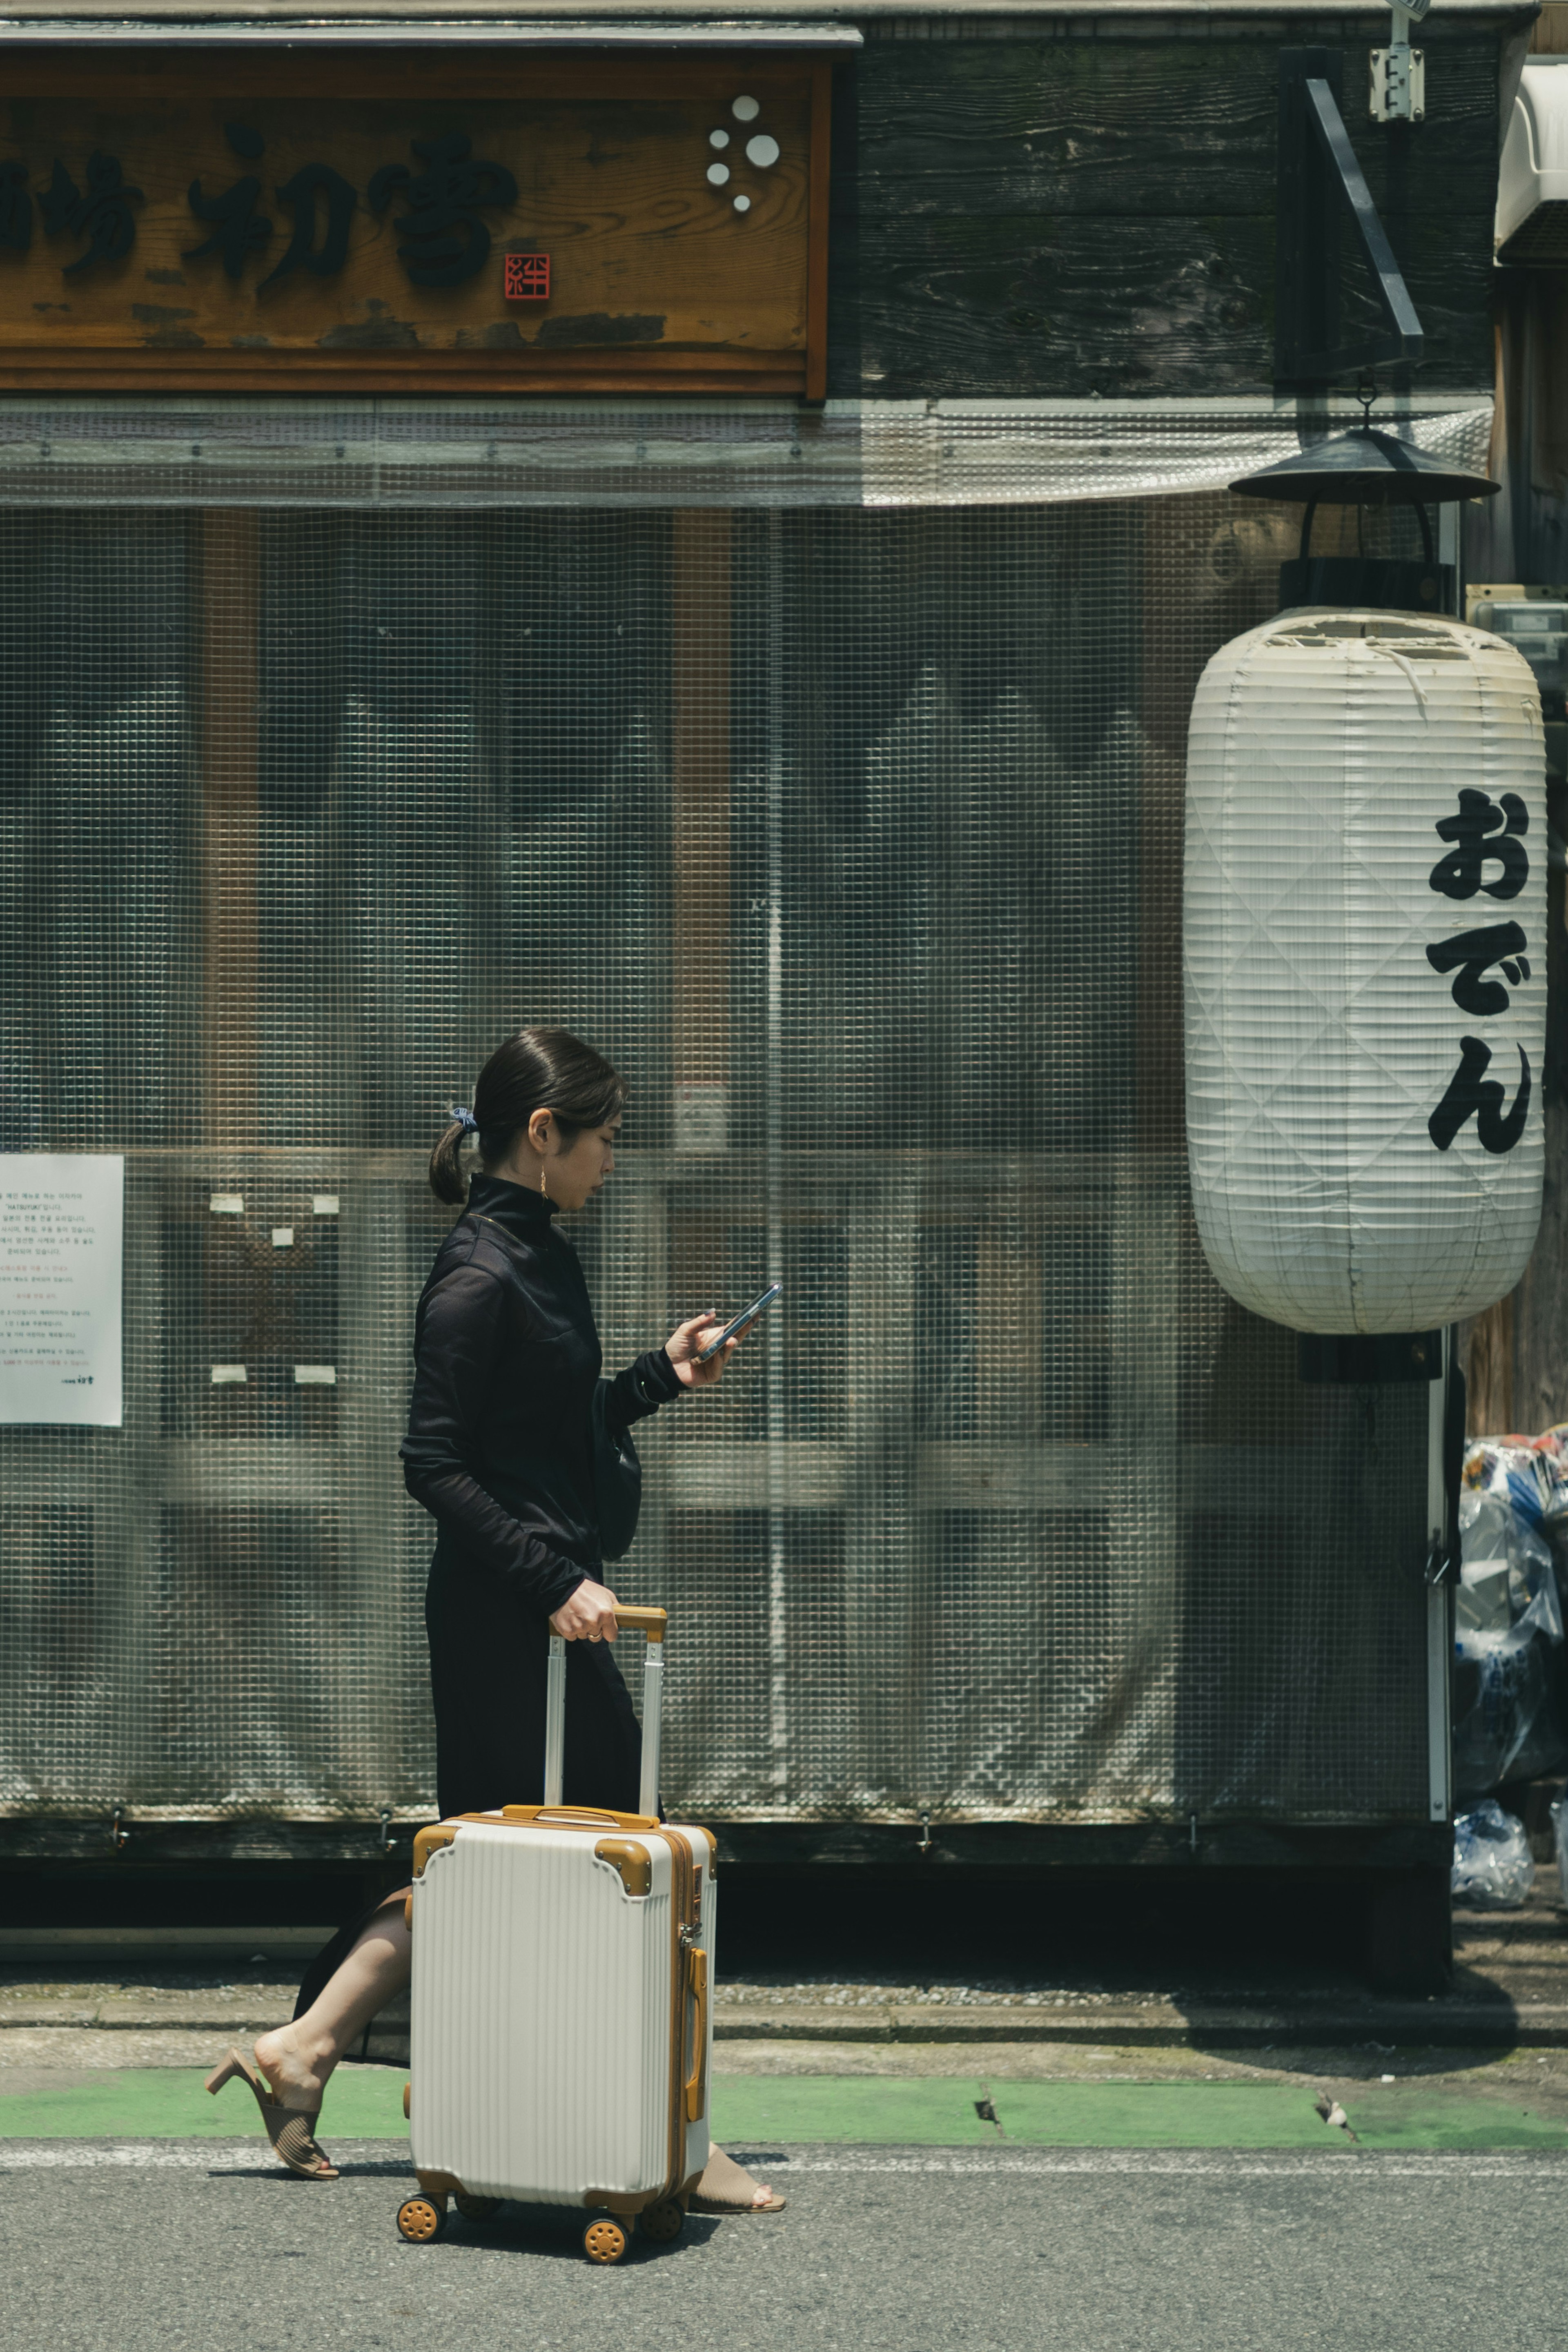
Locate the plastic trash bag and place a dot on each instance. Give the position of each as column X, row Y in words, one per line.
column 1510, row 1719
column 1551, row 1449
column 1510, row 1477
column 1493, row 1869
column 1559, row 1834
column 1507, row 1712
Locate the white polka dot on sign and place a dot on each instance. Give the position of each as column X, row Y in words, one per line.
column 718, row 139
column 717, row 173
column 762, row 152
column 743, row 204
column 746, row 110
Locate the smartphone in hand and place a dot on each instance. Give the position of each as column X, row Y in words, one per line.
column 743, row 1321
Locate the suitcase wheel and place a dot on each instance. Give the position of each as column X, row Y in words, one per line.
column 477, row 2209
column 604, row 2240
column 421, row 2220
column 662, row 2223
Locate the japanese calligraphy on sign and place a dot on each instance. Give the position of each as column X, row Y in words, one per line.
column 1488, row 857
column 636, row 221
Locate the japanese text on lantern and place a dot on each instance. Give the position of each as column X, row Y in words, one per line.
column 1482, row 833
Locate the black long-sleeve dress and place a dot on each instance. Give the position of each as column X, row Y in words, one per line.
column 500, row 1451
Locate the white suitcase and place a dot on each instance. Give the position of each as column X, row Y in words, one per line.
column 562, row 2025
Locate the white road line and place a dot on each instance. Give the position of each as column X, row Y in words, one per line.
column 183, row 2156
column 1365, row 2165
column 1368, row 2164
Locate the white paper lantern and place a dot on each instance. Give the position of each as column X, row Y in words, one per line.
column 1364, row 952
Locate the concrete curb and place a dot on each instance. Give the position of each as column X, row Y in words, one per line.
column 1471, row 2024
column 1477, row 2025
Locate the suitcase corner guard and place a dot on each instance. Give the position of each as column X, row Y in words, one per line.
column 632, row 1865
column 427, row 1840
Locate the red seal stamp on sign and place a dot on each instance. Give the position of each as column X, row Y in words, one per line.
column 528, row 277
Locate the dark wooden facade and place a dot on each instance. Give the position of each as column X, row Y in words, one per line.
column 1068, row 206
column 1051, row 205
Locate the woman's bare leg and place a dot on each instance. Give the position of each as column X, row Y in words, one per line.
column 299, row 2058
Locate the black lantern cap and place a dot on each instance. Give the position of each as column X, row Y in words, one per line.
column 1365, row 469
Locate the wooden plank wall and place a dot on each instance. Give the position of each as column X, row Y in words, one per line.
column 1073, row 214
column 1516, row 1355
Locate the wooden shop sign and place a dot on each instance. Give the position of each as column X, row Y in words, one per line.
column 324, row 222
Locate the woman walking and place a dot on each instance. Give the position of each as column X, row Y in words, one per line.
column 500, row 1450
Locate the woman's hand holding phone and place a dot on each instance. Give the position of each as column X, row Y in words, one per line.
column 686, row 1343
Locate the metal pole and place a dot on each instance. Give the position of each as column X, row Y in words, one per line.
column 1440, row 1743
column 555, row 1720
column 653, row 1727
column 1450, row 550
column 777, row 1651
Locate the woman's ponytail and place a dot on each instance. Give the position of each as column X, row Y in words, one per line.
column 447, row 1181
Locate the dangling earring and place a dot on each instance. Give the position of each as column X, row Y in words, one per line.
column 542, row 1183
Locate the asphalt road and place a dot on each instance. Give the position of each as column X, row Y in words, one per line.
column 158, row 2247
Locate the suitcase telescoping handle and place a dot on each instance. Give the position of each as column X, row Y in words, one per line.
column 650, row 1622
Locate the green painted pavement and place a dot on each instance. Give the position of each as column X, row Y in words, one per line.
column 1399, row 2115
column 171, row 2102
column 759, row 2110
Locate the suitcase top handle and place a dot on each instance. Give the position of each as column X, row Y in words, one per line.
column 576, row 1817
column 650, row 1622
column 436, row 1834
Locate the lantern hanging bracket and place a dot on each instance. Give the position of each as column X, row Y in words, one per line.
column 1396, row 87
column 1319, row 180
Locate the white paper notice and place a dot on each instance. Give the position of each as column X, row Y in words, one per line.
column 62, row 1216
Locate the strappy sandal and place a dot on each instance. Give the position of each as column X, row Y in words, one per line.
column 726, row 2187
column 291, row 2130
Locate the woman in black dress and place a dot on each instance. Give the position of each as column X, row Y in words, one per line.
column 500, row 1439
column 500, row 1451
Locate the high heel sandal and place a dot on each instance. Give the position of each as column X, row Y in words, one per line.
column 290, row 2129
column 726, row 2187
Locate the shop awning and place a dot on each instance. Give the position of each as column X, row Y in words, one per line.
column 445, row 33
column 667, row 453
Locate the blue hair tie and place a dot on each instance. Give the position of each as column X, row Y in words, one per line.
column 466, row 1119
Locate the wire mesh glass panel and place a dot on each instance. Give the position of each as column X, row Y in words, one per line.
column 854, row 837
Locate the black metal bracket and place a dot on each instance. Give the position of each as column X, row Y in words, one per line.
column 1319, row 178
